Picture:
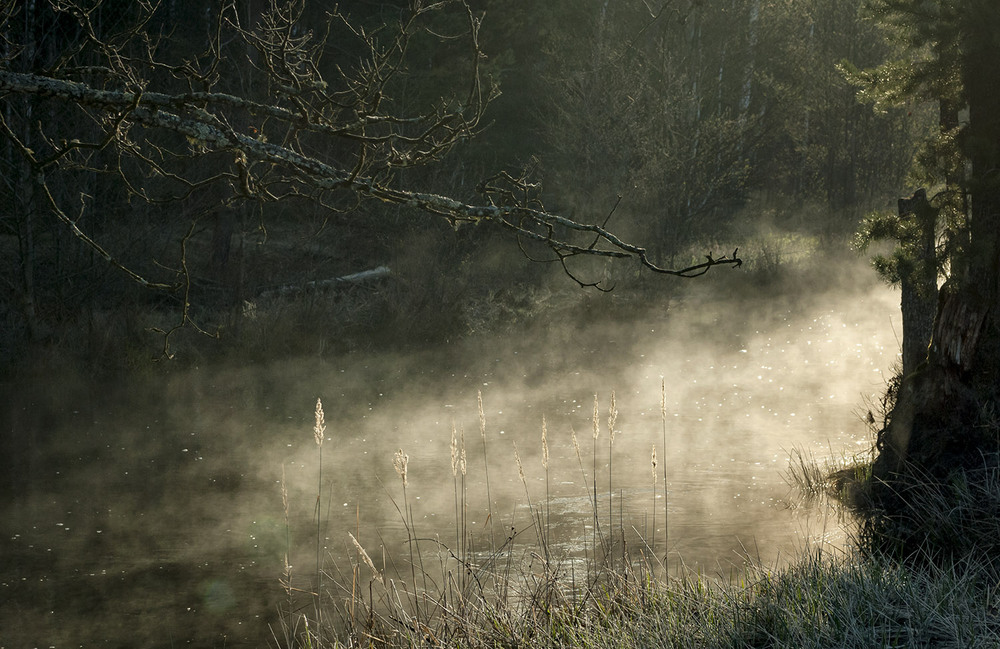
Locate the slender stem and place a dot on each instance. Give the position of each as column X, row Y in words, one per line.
column 666, row 489
column 621, row 529
column 597, row 432
column 652, row 543
column 597, row 522
column 536, row 521
column 465, row 537
column 489, row 495
column 458, row 520
column 319, row 434
column 319, row 518
column 612, row 418
column 545, row 465
column 611, row 514
column 546, row 530
column 408, row 513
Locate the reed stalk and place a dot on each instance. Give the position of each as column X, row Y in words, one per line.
column 286, row 572
column 454, row 477
column 462, row 468
column 597, row 434
column 319, row 435
column 612, row 419
column 458, row 469
column 545, row 467
column 579, row 459
column 399, row 462
column 531, row 511
column 486, row 463
column 586, row 481
column 666, row 488
column 652, row 461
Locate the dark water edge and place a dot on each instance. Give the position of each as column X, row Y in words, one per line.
column 117, row 532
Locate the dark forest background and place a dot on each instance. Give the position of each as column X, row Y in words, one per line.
column 693, row 130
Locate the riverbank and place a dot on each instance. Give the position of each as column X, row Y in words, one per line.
column 864, row 597
column 820, row 601
column 884, row 590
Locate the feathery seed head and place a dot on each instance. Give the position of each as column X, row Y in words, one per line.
column 284, row 491
column 364, row 557
column 482, row 414
column 319, row 430
column 597, row 418
column 461, row 456
column 399, row 462
column 545, row 446
column 612, row 417
column 454, row 450
column 520, row 469
column 653, row 462
column 576, row 443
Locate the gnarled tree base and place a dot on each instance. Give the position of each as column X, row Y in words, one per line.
column 938, row 407
column 935, row 486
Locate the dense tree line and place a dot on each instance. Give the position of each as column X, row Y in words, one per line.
column 544, row 124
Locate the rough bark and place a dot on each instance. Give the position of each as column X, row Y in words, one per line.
column 937, row 405
column 918, row 282
column 936, row 424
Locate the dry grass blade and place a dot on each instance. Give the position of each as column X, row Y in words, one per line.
column 367, row 559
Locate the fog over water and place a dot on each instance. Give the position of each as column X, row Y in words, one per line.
column 154, row 513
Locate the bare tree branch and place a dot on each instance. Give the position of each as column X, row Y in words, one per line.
column 185, row 115
column 311, row 128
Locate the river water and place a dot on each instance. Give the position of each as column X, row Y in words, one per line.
column 151, row 514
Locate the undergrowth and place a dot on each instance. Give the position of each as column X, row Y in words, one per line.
column 511, row 589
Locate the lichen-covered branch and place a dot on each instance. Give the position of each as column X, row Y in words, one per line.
column 185, row 115
column 297, row 126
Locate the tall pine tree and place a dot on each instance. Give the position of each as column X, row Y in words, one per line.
column 938, row 419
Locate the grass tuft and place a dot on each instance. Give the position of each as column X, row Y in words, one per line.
column 518, row 593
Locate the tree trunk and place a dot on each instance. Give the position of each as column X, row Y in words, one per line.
column 981, row 143
column 26, row 186
column 937, row 422
column 26, row 250
column 918, row 282
column 955, row 205
column 935, row 415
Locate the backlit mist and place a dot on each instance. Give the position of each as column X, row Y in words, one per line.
column 166, row 499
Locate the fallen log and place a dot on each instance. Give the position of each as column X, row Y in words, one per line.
column 325, row 284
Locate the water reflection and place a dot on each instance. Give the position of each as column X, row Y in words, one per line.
column 153, row 515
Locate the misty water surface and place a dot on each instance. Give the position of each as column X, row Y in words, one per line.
column 152, row 514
